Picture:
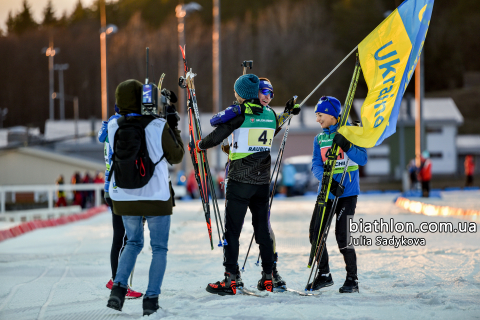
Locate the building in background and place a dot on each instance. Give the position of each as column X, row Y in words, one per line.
column 76, row 140
column 442, row 119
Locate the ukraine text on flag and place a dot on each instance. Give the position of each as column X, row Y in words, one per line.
column 388, row 57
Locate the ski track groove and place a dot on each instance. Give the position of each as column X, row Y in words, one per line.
column 43, row 309
column 15, row 288
column 441, row 280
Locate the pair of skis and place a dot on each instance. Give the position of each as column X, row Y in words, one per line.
column 324, row 219
column 201, row 167
column 263, row 294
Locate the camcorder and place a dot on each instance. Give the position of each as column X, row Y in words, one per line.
column 151, row 104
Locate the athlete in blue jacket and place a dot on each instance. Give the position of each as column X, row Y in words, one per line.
column 327, row 113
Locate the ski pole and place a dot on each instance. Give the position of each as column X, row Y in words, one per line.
column 328, row 76
column 321, row 82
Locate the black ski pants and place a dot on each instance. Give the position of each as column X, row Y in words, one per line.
column 345, row 207
column 241, row 196
column 118, row 243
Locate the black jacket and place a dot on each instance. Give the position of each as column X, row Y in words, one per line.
column 253, row 169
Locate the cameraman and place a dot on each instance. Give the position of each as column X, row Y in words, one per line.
column 154, row 200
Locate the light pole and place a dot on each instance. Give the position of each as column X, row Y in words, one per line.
column 50, row 52
column 104, row 32
column 60, row 68
column 181, row 11
column 217, row 82
column 419, row 121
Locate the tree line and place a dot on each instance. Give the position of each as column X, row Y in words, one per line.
column 293, row 43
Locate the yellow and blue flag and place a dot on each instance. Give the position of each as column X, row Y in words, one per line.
column 388, row 56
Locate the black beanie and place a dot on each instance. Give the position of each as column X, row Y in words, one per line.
column 128, row 97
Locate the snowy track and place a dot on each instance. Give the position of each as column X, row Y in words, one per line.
column 61, row 272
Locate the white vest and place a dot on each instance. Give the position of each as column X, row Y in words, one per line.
column 157, row 188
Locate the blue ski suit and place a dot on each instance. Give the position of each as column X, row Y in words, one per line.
column 356, row 154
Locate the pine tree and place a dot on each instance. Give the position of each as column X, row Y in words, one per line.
column 49, row 19
column 10, row 23
column 63, row 21
column 78, row 13
column 23, row 21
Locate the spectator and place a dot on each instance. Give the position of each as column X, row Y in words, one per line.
column 425, row 173
column 77, row 195
column 192, row 186
column 221, row 184
column 61, row 202
column 412, row 171
column 87, row 194
column 100, row 179
column 469, row 169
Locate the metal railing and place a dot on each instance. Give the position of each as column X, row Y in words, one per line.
column 50, row 190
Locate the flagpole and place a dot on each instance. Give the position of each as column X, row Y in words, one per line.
column 328, row 75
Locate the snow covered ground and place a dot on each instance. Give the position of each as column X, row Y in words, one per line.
column 61, row 272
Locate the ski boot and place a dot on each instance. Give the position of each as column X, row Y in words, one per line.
column 350, row 285
column 117, row 297
column 225, row 287
column 277, row 279
column 238, row 278
column 321, row 281
column 150, row 305
column 265, row 283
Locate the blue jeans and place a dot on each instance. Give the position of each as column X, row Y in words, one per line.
column 159, row 227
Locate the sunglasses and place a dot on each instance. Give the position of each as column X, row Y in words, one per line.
column 267, row 92
column 325, row 98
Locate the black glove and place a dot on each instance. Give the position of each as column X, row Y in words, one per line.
column 172, row 116
column 342, row 142
column 108, row 200
column 256, row 111
column 170, row 95
column 291, row 107
column 336, row 189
